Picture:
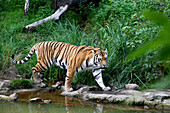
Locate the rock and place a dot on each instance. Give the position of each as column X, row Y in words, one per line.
column 14, row 96
column 37, row 99
column 4, row 84
column 10, row 73
column 80, row 91
column 57, row 85
column 148, row 96
column 49, row 89
column 63, row 88
column 1, row 83
column 83, row 89
column 47, row 101
column 6, row 98
column 132, row 87
column 117, row 98
column 161, row 96
column 129, row 92
column 146, row 107
column 166, row 101
column 4, row 90
column 71, row 94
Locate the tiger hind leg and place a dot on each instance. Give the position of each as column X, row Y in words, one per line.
column 37, row 75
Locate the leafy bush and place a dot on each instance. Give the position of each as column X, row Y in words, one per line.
column 21, row 84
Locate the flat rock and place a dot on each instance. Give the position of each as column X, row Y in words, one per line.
column 50, row 89
column 151, row 98
column 47, row 101
column 57, row 85
column 4, row 84
column 6, row 98
column 14, row 96
column 131, row 87
column 161, row 96
column 37, row 99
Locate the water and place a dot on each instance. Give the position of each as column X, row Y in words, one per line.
column 61, row 104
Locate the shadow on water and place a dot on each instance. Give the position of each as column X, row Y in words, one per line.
column 62, row 104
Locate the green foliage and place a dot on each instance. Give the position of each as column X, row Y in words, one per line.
column 21, row 84
column 161, row 42
column 117, row 25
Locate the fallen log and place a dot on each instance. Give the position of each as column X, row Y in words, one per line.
column 54, row 16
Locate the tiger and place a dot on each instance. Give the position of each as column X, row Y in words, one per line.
column 70, row 57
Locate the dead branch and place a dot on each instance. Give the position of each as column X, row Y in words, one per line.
column 54, row 16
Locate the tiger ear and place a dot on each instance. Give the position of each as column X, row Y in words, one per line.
column 105, row 50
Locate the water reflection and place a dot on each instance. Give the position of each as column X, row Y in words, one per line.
column 61, row 104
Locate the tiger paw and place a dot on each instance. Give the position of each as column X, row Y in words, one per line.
column 69, row 90
column 41, row 85
column 106, row 89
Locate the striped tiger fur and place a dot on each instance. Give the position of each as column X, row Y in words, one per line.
column 73, row 58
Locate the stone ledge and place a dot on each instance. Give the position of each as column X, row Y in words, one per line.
column 152, row 98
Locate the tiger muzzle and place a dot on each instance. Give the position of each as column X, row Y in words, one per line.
column 104, row 66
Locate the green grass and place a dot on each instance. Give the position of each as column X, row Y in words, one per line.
column 118, row 26
column 161, row 83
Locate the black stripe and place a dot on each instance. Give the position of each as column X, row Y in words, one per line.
column 56, row 45
column 34, row 69
column 78, row 52
column 94, row 61
column 68, row 52
column 64, row 67
column 63, row 53
column 39, row 67
column 94, row 70
column 87, row 62
column 44, row 54
column 40, row 44
column 97, row 75
column 52, row 51
column 81, row 68
column 82, row 48
column 77, row 70
column 43, row 68
column 47, row 54
column 32, row 52
column 76, row 55
column 52, row 54
column 59, row 51
column 25, row 60
column 28, row 57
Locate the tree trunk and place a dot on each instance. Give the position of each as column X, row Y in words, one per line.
column 26, row 7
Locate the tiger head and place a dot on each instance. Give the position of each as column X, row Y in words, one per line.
column 100, row 58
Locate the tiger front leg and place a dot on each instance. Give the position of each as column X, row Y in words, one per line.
column 68, row 81
column 97, row 73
